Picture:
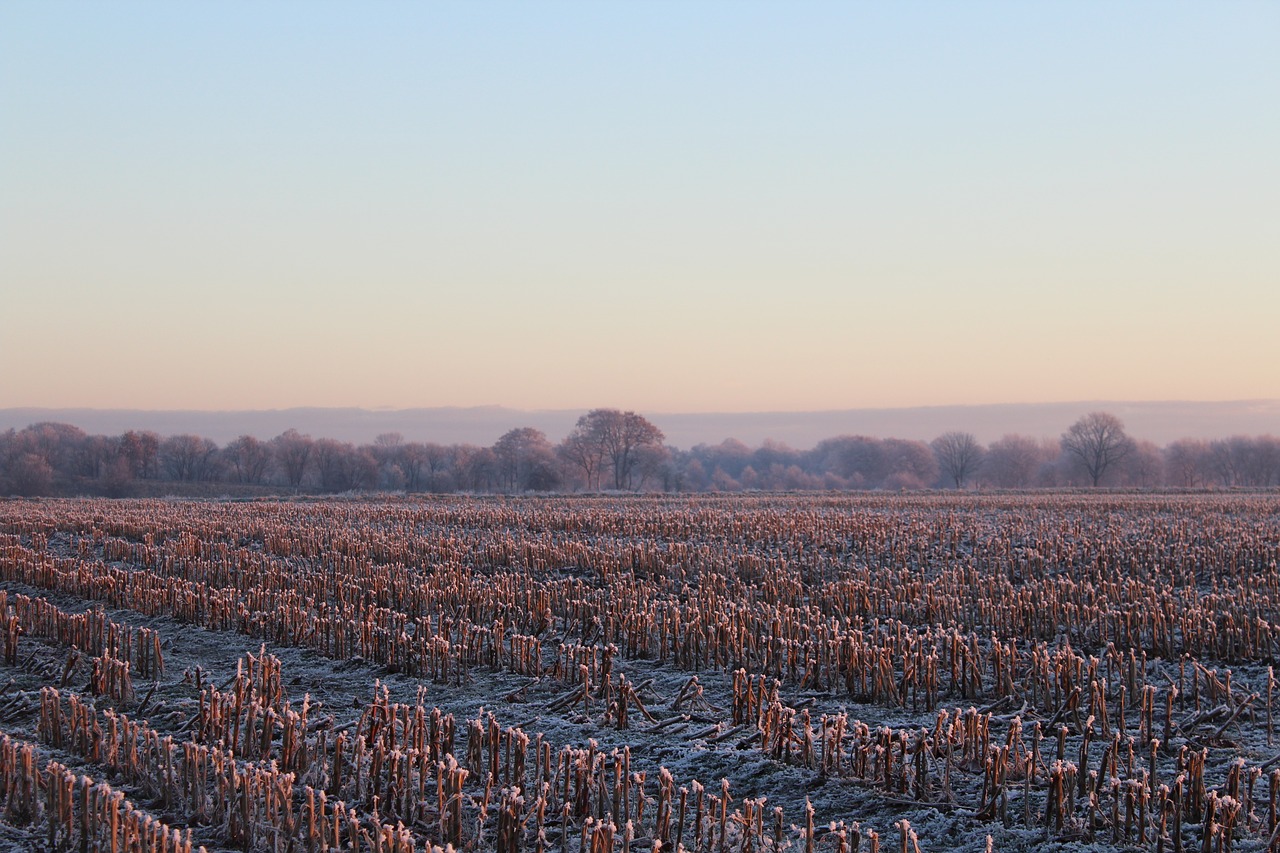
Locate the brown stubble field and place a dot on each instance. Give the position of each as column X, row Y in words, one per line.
column 746, row 673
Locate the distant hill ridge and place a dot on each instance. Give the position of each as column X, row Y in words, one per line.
column 1160, row 422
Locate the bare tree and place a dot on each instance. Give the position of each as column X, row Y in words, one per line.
column 248, row 458
column 55, row 443
column 188, row 457
column 772, row 453
column 391, row 453
column 142, row 449
column 908, row 464
column 331, row 462
column 1267, row 459
column 1144, row 467
column 1186, row 462
column 526, row 460
column 293, row 451
column 1245, row 461
column 117, row 478
column 29, row 476
column 856, row 461
column 958, row 455
column 1014, row 462
column 476, row 467
column 343, row 467
column 653, row 463
column 1225, row 461
column 388, row 440
column 440, row 462
column 612, row 436
column 92, row 454
column 580, row 453
column 1097, row 442
column 731, row 456
column 412, row 458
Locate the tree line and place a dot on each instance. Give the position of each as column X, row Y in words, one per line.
column 609, row 449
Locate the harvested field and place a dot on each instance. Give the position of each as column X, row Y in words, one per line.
column 595, row 674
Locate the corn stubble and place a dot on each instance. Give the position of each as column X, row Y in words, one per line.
column 1018, row 670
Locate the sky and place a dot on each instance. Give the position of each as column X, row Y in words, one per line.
column 661, row 206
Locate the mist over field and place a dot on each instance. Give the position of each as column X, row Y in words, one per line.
column 1160, row 422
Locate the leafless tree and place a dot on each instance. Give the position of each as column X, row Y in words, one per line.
column 1186, row 462
column 388, row 440
column 29, row 475
column 623, row 436
column 476, row 467
column 771, row 453
column 390, row 451
column 248, row 459
column 1245, row 461
column 55, row 443
column 580, row 453
column 854, row 461
column 653, row 463
column 117, row 477
column 1014, row 462
column 794, row 478
column 412, row 460
column 343, row 467
column 1266, row 460
column 333, row 464
column 721, row 481
column 1097, row 442
column 691, row 476
column 440, row 462
column 1144, row 467
column 292, row 451
column 908, row 464
column 959, row 455
column 730, row 457
column 188, row 457
column 91, row 455
column 526, row 460
column 142, row 449
column 609, row 436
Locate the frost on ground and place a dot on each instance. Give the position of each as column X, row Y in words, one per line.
column 1043, row 672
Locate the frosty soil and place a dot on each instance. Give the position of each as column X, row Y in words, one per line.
column 952, row 797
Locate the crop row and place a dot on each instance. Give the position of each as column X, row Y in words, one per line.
column 1066, row 667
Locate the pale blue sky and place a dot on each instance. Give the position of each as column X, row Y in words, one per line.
column 662, row 206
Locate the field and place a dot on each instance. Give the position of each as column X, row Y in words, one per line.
column 595, row 674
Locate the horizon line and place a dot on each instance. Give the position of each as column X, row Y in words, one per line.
column 654, row 412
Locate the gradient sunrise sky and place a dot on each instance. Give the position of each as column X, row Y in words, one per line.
column 666, row 206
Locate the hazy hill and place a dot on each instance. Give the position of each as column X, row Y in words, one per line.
column 1160, row 422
